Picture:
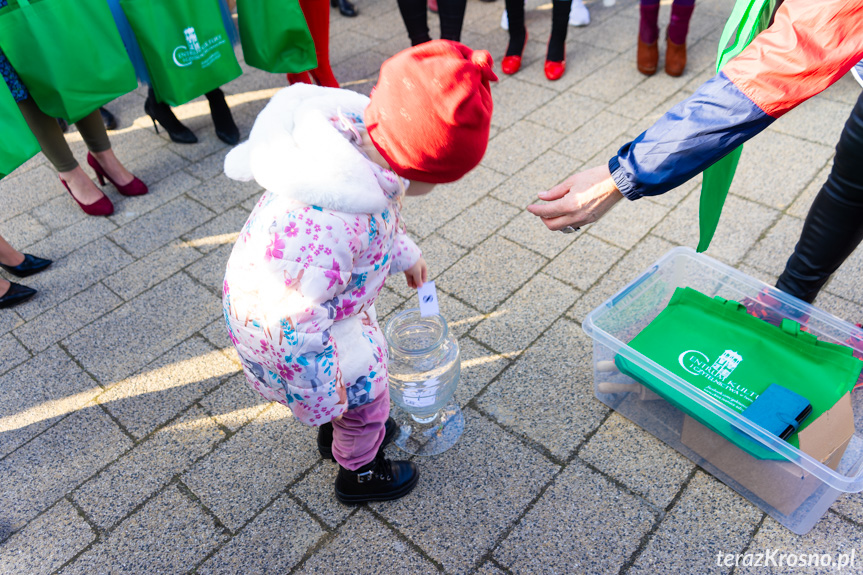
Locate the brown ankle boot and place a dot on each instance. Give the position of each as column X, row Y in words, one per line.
column 647, row 58
column 675, row 59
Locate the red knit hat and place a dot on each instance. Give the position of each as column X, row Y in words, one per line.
column 430, row 112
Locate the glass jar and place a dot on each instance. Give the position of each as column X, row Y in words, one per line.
column 424, row 369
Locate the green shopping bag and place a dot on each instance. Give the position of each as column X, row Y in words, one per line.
column 275, row 36
column 68, row 53
column 185, row 46
column 18, row 143
column 748, row 19
column 715, row 346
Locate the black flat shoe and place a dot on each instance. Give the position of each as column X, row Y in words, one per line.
column 16, row 294
column 226, row 129
column 109, row 119
column 380, row 480
column 31, row 265
column 345, row 7
column 325, row 437
column 162, row 113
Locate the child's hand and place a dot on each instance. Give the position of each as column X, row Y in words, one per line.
column 418, row 274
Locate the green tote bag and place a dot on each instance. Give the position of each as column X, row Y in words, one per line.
column 733, row 357
column 68, row 53
column 275, row 37
column 18, row 143
column 185, row 46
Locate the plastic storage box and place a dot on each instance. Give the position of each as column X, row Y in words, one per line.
column 797, row 488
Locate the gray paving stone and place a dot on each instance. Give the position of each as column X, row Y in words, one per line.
column 774, row 249
column 644, row 98
column 220, row 231
column 148, row 325
column 846, row 90
column 527, row 313
column 519, row 145
column 378, row 550
column 9, row 320
column 817, row 120
column 603, row 129
column 67, row 317
column 584, row 59
column 424, row 214
column 167, row 386
column 831, row 536
column 630, row 455
column 584, row 262
column 47, row 542
column 160, row 226
column 544, row 173
column 800, row 207
column 618, row 34
column 44, row 470
column 609, row 81
column 488, row 274
column 152, row 269
column 440, row 255
column 566, row 532
column 234, row 403
column 160, row 194
column 38, row 393
column 478, row 367
column 209, row 167
column 567, row 112
column 528, row 230
column 63, row 242
column 153, row 168
column 210, row 269
column 23, row 231
column 315, row 491
column 12, row 353
column 250, row 469
column 850, row 311
column 712, row 518
column 628, row 222
column 221, row 193
column 561, row 415
column 849, row 505
column 795, row 162
column 169, row 534
column 488, row 568
column 514, row 99
column 477, row 222
column 130, row 480
column 740, row 226
column 72, row 274
column 265, row 545
column 40, row 184
column 470, row 519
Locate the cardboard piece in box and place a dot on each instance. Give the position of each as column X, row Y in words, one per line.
column 781, row 484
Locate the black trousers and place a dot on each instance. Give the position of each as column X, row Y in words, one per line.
column 834, row 225
column 415, row 16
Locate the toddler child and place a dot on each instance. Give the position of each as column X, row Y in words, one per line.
column 302, row 280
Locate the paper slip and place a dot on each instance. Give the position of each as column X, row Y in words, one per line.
column 428, row 300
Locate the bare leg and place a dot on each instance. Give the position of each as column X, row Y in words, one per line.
column 9, row 256
column 112, row 165
column 82, row 186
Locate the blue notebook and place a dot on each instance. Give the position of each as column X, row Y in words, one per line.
column 779, row 410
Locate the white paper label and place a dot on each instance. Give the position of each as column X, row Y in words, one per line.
column 428, row 300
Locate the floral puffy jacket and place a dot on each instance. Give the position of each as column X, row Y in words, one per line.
column 302, row 279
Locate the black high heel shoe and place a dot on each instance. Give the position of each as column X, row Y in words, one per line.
column 226, row 129
column 31, row 265
column 109, row 119
column 345, row 7
column 16, row 294
column 162, row 112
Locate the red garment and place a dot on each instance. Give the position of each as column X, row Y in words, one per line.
column 430, row 113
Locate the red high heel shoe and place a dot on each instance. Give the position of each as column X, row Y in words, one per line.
column 134, row 188
column 512, row 64
column 301, row 78
column 101, row 207
column 554, row 70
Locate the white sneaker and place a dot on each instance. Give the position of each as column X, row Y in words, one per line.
column 857, row 72
column 578, row 15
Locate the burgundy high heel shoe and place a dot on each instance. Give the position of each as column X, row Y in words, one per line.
column 101, row 207
column 134, row 188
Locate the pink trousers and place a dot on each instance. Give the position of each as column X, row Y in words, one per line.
column 357, row 436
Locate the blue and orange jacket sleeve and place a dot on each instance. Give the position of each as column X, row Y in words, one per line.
column 809, row 47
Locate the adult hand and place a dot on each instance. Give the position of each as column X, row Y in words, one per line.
column 581, row 199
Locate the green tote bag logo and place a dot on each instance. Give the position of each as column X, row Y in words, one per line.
column 193, row 51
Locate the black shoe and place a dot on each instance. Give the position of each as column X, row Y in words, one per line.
column 28, row 267
column 15, row 295
column 64, row 125
column 162, row 113
column 345, row 7
column 325, row 437
column 380, row 480
column 226, row 129
column 109, row 119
